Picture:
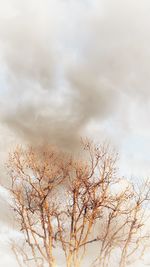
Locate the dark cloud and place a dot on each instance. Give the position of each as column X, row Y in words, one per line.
column 68, row 65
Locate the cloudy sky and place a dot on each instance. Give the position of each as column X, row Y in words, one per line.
column 70, row 69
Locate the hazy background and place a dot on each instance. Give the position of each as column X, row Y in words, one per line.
column 70, row 69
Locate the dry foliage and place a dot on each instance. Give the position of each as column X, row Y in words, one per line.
column 68, row 205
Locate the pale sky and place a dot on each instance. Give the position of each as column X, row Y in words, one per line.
column 73, row 68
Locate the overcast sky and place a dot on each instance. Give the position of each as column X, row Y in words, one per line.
column 72, row 68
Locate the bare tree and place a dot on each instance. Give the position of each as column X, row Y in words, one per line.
column 68, row 204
